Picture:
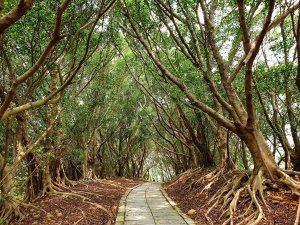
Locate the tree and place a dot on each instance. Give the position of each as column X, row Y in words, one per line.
column 34, row 66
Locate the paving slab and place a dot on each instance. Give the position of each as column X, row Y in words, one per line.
column 147, row 204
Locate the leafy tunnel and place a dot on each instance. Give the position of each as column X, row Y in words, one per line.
column 149, row 89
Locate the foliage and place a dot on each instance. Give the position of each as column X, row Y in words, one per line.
column 113, row 109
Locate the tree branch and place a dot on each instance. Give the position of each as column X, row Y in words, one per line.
column 15, row 14
column 221, row 119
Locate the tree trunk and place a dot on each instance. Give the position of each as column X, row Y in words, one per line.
column 261, row 154
column 203, row 144
column 8, row 206
column 203, row 156
column 221, row 142
column 295, row 157
column 35, row 182
column 85, row 165
column 6, row 181
column 91, row 168
column 244, row 156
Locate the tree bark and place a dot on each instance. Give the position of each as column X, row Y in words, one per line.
column 221, row 142
column 35, row 183
column 259, row 149
column 15, row 14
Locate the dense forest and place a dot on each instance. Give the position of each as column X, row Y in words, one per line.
column 149, row 89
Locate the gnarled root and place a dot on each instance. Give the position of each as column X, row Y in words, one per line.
column 210, row 178
column 185, row 177
column 249, row 188
column 68, row 182
column 87, row 200
column 9, row 209
column 240, row 187
column 294, row 186
column 50, row 188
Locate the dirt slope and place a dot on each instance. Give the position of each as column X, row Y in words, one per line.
column 93, row 202
column 186, row 192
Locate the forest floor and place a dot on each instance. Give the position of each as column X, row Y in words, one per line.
column 89, row 202
column 96, row 202
column 186, row 192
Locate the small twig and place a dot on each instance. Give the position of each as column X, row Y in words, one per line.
column 83, row 216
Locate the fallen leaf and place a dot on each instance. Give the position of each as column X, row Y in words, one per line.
column 191, row 211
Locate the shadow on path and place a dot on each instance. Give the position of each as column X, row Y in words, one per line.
column 146, row 205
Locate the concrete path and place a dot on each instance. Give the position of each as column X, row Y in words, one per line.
column 147, row 205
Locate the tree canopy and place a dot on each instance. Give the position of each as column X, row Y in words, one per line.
column 130, row 88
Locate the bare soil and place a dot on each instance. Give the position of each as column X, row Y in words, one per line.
column 80, row 204
column 281, row 210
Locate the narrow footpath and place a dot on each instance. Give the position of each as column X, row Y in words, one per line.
column 147, row 205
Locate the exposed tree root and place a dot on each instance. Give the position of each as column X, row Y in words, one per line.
column 29, row 205
column 26, row 205
column 185, row 177
column 290, row 182
column 82, row 218
column 209, row 178
column 9, row 209
column 12, row 209
column 291, row 172
column 88, row 201
column 68, row 182
column 62, row 180
column 246, row 188
column 50, row 188
column 64, row 185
